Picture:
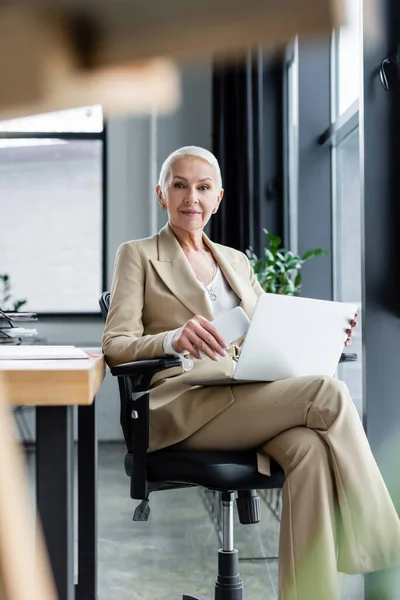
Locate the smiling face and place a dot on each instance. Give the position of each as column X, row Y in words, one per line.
column 190, row 194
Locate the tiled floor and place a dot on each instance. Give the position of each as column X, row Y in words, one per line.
column 176, row 550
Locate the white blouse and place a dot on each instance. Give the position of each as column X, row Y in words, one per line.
column 222, row 299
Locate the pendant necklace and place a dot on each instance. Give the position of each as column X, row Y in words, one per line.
column 211, row 288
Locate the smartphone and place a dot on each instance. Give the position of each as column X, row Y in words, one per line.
column 231, row 326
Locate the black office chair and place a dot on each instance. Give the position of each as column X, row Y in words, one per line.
column 224, row 472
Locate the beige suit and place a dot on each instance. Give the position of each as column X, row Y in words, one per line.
column 155, row 290
column 337, row 513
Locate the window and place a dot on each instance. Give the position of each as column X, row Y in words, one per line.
column 52, row 207
column 88, row 119
column 347, row 255
column 346, row 188
column 348, row 41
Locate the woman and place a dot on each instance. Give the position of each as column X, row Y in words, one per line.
column 337, row 513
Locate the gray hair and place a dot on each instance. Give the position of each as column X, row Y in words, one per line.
column 195, row 151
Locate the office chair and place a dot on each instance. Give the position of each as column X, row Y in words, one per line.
column 225, row 472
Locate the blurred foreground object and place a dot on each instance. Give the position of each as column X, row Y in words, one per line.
column 43, row 68
column 24, row 568
column 65, row 53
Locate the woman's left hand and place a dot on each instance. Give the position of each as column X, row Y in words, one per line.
column 350, row 332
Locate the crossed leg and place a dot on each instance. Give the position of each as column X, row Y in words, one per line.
column 337, row 513
column 307, row 544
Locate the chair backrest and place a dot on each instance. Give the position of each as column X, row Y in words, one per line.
column 124, row 384
column 104, row 302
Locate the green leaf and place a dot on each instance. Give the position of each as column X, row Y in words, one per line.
column 297, row 280
column 270, row 269
column 294, row 263
column 269, row 255
column 317, row 252
column 290, row 286
column 274, row 240
column 259, row 264
column 18, row 304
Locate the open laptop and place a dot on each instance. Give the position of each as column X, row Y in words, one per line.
column 290, row 336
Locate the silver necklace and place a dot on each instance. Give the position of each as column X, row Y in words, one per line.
column 211, row 288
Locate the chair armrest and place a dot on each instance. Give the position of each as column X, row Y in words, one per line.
column 348, row 357
column 134, row 384
column 141, row 372
column 145, row 366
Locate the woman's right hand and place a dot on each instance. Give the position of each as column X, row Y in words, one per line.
column 199, row 334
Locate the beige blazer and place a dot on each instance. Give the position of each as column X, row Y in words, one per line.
column 154, row 290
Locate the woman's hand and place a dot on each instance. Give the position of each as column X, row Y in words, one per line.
column 350, row 332
column 198, row 334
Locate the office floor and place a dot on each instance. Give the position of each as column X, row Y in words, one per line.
column 176, row 550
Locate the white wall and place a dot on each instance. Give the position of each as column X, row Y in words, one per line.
column 135, row 147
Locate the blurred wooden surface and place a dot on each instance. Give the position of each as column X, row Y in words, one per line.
column 57, row 54
column 52, row 383
column 113, row 32
column 180, row 29
column 24, row 567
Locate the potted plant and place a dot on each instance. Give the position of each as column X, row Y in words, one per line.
column 278, row 271
column 6, row 302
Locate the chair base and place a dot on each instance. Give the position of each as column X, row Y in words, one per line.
column 228, row 586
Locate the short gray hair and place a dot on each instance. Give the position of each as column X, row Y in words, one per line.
column 195, row 151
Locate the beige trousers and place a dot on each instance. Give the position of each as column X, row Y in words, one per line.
column 337, row 513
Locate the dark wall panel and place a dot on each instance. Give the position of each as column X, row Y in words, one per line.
column 380, row 116
column 247, row 140
column 314, row 207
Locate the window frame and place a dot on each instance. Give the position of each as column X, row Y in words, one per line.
column 77, row 136
column 341, row 126
column 291, row 146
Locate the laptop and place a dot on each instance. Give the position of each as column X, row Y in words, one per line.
column 290, row 336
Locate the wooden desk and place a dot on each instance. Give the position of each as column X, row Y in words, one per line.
column 54, row 387
column 52, row 382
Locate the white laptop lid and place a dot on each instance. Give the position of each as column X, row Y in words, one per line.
column 291, row 336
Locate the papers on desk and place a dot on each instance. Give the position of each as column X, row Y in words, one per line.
column 22, row 332
column 41, row 353
column 13, row 334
